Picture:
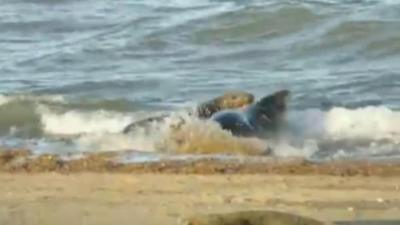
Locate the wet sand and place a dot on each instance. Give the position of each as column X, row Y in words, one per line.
column 97, row 190
column 16, row 161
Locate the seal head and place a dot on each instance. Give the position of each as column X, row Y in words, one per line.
column 229, row 100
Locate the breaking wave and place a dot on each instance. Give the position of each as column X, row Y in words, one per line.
column 336, row 133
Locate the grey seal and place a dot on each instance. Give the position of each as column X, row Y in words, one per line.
column 260, row 119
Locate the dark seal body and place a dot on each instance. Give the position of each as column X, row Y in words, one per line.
column 236, row 122
column 229, row 100
column 257, row 120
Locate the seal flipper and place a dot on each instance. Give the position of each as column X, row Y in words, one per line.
column 259, row 120
column 276, row 103
column 142, row 123
column 234, row 122
column 267, row 114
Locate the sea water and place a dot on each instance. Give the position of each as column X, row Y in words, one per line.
column 73, row 73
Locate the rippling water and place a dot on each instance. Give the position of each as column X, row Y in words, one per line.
column 84, row 69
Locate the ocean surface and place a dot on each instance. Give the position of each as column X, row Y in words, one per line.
column 74, row 73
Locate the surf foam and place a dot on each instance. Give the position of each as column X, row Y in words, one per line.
column 336, row 133
column 341, row 132
column 101, row 130
column 78, row 122
column 4, row 99
column 206, row 137
column 372, row 123
column 368, row 123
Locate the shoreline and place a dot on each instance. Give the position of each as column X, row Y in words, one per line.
column 23, row 161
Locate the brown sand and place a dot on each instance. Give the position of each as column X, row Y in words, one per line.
column 24, row 161
column 99, row 190
column 100, row 198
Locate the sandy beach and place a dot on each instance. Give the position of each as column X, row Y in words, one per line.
column 100, row 198
column 99, row 189
column 210, row 112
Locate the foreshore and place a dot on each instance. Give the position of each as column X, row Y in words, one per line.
column 112, row 162
column 100, row 192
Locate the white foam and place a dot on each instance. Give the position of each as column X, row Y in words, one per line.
column 368, row 123
column 102, row 130
column 370, row 131
column 4, row 99
column 373, row 150
column 307, row 150
column 309, row 123
column 371, row 123
column 347, row 132
column 114, row 142
column 150, row 138
column 78, row 122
